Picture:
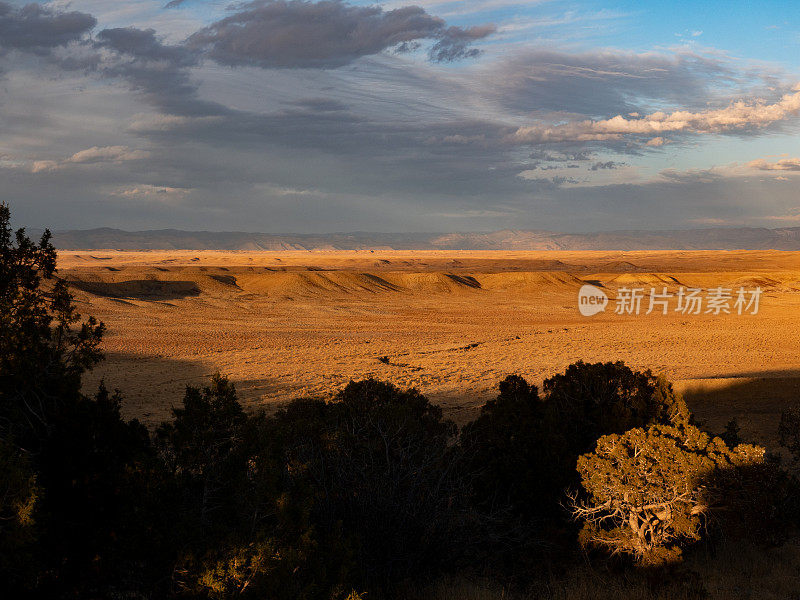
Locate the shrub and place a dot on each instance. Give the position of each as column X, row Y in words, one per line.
column 201, row 446
column 378, row 464
column 523, row 448
column 318, row 499
column 597, row 399
column 506, row 450
column 648, row 490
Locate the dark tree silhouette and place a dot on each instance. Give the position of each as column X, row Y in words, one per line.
column 42, row 353
column 71, row 469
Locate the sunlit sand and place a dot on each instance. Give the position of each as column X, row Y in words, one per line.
column 453, row 324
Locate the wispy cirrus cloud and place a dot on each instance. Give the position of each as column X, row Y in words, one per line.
column 608, row 82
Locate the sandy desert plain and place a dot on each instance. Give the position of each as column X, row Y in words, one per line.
column 286, row 324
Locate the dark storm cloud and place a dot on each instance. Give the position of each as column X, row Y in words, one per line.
column 37, row 29
column 454, row 43
column 327, row 34
column 159, row 71
column 143, row 44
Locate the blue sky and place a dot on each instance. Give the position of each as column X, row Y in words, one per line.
column 301, row 116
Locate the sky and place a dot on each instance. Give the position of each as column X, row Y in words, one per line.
column 291, row 116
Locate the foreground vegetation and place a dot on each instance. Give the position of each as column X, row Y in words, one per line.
column 601, row 485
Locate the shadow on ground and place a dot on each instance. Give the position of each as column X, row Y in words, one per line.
column 151, row 385
column 754, row 399
column 138, row 289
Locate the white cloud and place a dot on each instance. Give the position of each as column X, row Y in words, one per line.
column 784, row 164
column 781, row 170
column 738, row 115
column 93, row 155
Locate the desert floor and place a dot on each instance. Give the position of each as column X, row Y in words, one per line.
column 453, row 324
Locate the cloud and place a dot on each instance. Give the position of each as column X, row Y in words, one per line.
column 328, row 34
column 610, row 173
column 144, row 45
column 380, row 142
column 739, row 115
column 605, row 165
column 159, row 123
column 793, row 216
column 160, row 71
column 757, row 170
column 319, row 104
column 149, row 192
column 454, row 43
column 94, row 155
column 598, row 175
column 784, row 164
column 38, row 29
column 608, row 82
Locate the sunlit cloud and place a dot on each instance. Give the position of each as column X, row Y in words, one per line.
column 738, row 115
column 90, row 156
column 784, row 164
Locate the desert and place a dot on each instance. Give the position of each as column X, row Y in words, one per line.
column 453, row 324
column 441, row 300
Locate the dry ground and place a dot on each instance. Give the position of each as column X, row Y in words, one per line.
column 286, row 324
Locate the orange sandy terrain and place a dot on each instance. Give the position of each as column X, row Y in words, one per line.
column 453, row 324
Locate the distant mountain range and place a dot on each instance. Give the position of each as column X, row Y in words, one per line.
column 745, row 238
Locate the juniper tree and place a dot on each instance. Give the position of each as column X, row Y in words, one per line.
column 649, row 491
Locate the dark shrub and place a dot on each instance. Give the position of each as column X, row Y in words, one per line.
column 524, row 448
column 320, row 498
column 379, row 465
